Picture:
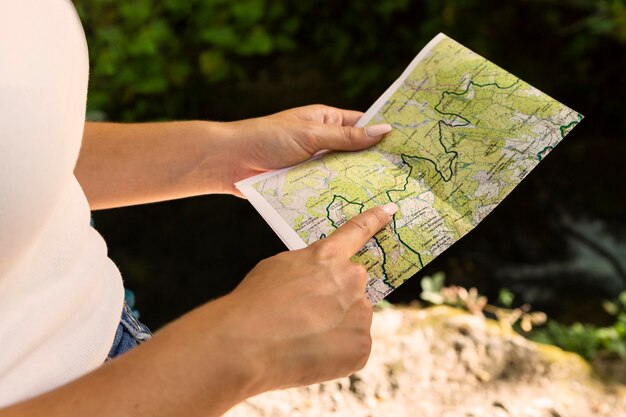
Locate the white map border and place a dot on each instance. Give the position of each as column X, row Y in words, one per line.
column 284, row 231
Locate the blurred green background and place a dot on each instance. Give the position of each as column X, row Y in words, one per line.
column 558, row 241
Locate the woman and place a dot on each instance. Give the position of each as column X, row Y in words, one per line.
column 297, row 318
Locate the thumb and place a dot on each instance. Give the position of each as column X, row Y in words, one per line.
column 349, row 138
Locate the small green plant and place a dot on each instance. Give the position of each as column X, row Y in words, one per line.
column 506, row 297
column 431, row 288
column 588, row 340
column 434, row 292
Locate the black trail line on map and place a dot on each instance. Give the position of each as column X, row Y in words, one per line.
column 455, row 154
column 394, row 227
column 335, row 196
column 466, row 122
column 361, row 205
column 405, row 157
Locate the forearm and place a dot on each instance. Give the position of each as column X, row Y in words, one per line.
column 126, row 164
column 193, row 367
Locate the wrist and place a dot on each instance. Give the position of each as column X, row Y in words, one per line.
column 214, row 166
column 207, row 359
column 253, row 356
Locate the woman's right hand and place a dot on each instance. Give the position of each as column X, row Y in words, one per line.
column 304, row 313
column 298, row 318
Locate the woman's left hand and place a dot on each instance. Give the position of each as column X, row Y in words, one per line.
column 124, row 164
column 293, row 136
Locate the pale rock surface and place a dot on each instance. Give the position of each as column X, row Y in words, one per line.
column 441, row 362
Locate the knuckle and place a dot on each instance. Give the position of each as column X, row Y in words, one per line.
column 364, row 304
column 323, row 250
column 371, row 220
column 362, row 223
column 349, row 134
column 380, row 215
column 359, row 271
column 322, row 113
column 359, row 274
column 311, row 138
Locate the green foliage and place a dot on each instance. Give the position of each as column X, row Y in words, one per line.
column 608, row 18
column 587, row 340
column 584, row 339
column 147, row 49
column 506, row 297
column 434, row 292
column 167, row 59
column 431, row 288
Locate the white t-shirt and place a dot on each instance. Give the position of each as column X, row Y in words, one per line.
column 60, row 295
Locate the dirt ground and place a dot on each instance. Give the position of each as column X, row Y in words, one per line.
column 441, row 362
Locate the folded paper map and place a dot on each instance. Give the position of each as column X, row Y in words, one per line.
column 465, row 133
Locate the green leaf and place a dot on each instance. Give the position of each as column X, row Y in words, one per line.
column 610, row 307
column 248, row 12
column 220, row 36
column 432, row 297
column 213, row 65
column 136, row 12
column 258, row 42
column 151, row 85
column 427, row 284
column 431, row 288
column 506, row 297
column 439, row 279
column 622, row 298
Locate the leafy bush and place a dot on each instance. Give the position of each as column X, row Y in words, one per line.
column 146, row 49
column 169, row 58
column 434, row 292
column 587, row 340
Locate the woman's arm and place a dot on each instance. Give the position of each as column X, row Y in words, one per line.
column 297, row 318
column 192, row 367
column 126, row 164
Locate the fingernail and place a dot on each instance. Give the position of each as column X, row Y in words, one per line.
column 377, row 130
column 390, row 208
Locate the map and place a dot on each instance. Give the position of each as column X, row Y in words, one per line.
column 465, row 133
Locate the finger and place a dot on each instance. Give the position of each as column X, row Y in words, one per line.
column 349, row 117
column 355, row 233
column 349, row 138
column 336, row 116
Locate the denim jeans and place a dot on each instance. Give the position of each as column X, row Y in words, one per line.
column 130, row 333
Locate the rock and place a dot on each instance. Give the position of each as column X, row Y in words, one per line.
column 443, row 362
